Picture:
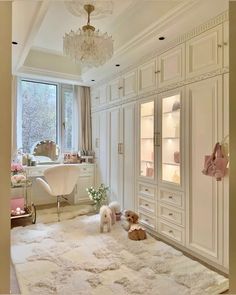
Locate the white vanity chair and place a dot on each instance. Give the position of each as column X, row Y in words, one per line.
column 60, row 182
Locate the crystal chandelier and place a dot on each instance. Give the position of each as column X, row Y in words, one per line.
column 88, row 46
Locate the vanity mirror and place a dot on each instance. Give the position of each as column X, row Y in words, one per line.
column 46, row 152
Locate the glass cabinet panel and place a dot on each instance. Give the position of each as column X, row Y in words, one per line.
column 171, row 111
column 147, row 139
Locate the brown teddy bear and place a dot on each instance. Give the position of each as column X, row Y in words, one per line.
column 130, row 223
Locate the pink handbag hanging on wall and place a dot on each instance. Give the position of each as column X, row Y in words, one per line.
column 215, row 164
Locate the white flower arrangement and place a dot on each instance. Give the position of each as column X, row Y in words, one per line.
column 98, row 196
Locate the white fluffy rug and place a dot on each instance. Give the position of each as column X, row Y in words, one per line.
column 72, row 257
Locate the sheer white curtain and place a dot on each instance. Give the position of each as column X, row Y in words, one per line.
column 84, row 117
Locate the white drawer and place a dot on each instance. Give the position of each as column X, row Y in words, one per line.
column 174, row 233
column 146, row 190
column 147, row 205
column 171, row 214
column 147, row 220
column 86, row 170
column 172, row 198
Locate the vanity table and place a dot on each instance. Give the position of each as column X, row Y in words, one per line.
column 86, row 178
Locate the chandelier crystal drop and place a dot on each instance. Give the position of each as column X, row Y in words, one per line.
column 88, row 46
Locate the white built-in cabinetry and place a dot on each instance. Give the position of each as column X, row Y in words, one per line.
column 159, row 120
column 204, row 52
column 171, row 66
column 205, row 204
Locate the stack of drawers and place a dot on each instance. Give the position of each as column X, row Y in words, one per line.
column 171, row 216
column 147, row 205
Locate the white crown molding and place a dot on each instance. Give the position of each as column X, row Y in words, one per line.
column 153, row 29
column 32, row 32
column 43, row 74
column 224, row 16
column 201, row 77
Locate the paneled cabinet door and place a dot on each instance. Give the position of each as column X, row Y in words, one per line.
column 115, row 90
column 226, row 43
column 204, row 52
column 103, row 94
column 94, row 97
column 95, row 133
column 129, row 155
column 226, row 178
column 171, row 66
column 115, row 155
column 84, row 182
column 147, row 76
column 103, row 147
column 205, row 205
column 130, row 84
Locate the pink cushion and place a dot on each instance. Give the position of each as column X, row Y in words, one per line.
column 17, row 203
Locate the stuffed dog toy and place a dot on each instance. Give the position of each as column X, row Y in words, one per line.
column 115, row 208
column 105, row 218
column 130, row 223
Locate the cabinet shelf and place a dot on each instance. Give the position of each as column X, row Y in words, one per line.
column 171, row 163
column 149, row 138
column 171, row 137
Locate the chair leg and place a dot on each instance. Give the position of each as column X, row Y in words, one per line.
column 58, row 208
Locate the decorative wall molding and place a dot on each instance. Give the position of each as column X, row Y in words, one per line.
column 219, row 19
column 201, row 77
column 43, row 74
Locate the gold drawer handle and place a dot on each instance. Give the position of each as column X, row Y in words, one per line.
column 171, row 231
column 146, row 205
column 146, row 190
column 170, row 197
column 147, row 220
column 170, row 214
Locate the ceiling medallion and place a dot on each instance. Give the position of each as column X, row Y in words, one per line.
column 103, row 8
column 88, row 46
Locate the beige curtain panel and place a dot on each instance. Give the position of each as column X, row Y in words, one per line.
column 84, row 106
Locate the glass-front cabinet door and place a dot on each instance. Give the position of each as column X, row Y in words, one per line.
column 171, row 135
column 147, row 139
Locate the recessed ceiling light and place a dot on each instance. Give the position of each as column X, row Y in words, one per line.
column 14, row 42
column 93, row 80
column 161, row 38
column 117, row 65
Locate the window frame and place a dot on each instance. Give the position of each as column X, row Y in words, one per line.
column 60, row 114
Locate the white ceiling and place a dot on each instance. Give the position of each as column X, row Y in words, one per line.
column 39, row 27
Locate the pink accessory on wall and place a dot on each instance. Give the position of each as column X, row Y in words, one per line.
column 216, row 163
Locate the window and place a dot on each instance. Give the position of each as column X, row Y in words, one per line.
column 45, row 111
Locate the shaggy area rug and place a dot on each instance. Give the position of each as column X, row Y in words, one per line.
column 72, row 257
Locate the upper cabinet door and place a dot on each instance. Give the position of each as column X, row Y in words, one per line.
column 147, row 76
column 130, row 84
column 103, row 94
column 204, row 52
column 226, row 43
column 171, row 66
column 115, row 90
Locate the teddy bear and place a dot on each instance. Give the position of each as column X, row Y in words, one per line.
column 129, row 221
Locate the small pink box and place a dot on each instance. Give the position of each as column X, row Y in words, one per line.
column 17, row 203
